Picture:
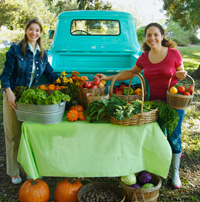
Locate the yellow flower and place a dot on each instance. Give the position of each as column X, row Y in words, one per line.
column 70, row 80
column 63, row 73
column 58, row 80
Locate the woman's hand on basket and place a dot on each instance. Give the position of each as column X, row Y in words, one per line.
column 181, row 74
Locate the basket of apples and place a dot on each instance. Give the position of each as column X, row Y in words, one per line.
column 180, row 96
column 95, row 86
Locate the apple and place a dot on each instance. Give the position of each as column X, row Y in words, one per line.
column 96, row 81
column 94, row 86
column 87, row 84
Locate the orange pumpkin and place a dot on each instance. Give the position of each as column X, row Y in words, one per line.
column 34, row 191
column 72, row 115
column 67, row 190
column 81, row 116
column 78, row 108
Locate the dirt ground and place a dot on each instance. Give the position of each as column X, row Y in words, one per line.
column 190, row 172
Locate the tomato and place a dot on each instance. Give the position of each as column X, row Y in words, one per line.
column 186, row 93
column 181, row 89
column 191, row 89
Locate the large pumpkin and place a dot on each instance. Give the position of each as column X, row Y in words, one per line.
column 34, row 191
column 67, row 190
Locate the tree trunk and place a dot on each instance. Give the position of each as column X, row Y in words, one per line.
column 196, row 74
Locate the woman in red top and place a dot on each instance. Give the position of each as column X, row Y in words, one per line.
column 159, row 62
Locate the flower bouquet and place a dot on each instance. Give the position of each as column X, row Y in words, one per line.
column 73, row 84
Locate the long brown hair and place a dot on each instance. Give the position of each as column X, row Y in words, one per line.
column 24, row 41
column 165, row 42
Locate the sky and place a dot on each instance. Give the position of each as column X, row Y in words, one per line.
column 144, row 11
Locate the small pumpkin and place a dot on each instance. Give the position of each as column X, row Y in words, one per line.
column 78, row 108
column 34, row 191
column 67, row 190
column 81, row 116
column 72, row 115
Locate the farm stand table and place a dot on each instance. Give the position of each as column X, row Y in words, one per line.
column 83, row 149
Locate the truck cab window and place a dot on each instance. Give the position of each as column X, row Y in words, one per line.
column 95, row 27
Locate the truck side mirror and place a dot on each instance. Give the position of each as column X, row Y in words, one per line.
column 51, row 34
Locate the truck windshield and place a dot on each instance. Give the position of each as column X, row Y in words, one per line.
column 95, row 27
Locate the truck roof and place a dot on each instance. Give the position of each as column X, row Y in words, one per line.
column 95, row 14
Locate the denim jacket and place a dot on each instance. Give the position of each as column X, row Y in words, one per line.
column 18, row 68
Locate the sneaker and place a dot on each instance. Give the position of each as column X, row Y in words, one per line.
column 16, row 179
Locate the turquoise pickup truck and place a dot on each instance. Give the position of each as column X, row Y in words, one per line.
column 92, row 42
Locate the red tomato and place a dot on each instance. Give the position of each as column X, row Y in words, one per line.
column 186, row 93
column 191, row 89
column 181, row 89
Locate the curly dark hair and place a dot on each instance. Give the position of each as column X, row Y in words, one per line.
column 165, row 42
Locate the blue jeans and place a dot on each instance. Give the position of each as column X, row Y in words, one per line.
column 175, row 138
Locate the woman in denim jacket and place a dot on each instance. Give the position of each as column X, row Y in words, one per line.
column 25, row 63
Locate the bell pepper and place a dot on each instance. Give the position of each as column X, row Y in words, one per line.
column 125, row 91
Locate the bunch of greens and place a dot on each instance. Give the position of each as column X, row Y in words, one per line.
column 167, row 115
column 40, row 97
column 120, row 109
column 18, row 91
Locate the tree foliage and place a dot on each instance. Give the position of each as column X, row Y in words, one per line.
column 186, row 12
column 15, row 14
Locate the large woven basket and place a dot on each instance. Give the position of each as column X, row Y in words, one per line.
column 143, row 195
column 97, row 186
column 137, row 119
column 129, row 98
column 82, row 95
column 179, row 101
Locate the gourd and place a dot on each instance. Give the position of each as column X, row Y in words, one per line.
column 78, row 108
column 81, row 116
column 34, row 191
column 67, row 190
column 72, row 115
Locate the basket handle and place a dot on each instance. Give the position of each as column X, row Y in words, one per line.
column 134, row 198
column 93, row 90
column 134, row 74
column 186, row 75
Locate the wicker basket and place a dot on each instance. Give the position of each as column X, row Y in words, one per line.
column 91, row 97
column 143, row 195
column 82, row 95
column 97, row 186
column 129, row 98
column 142, row 117
column 179, row 101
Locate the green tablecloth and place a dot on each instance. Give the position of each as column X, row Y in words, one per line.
column 83, row 149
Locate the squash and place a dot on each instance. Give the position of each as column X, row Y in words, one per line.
column 67, row 190
column 81, row 116
column 79, row 108
column 72, row 115
column 34, row 191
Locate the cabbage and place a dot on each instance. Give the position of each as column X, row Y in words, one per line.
column 148, row 185
column 144, row 177
column 129, row 180
column 135, row 186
